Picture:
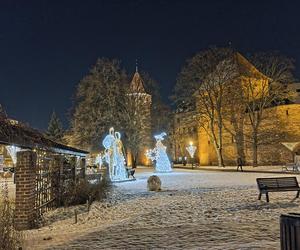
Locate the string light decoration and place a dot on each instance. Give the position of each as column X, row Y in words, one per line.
column 191, row 149
column 114, row 156
column 12, row 150
column 159, row 155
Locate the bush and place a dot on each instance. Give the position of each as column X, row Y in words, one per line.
column 82, row 191
column 9, row 237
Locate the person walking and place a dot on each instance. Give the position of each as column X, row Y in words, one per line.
column 239, row 164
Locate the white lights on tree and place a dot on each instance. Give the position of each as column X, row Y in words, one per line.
column 12, row 150
column 191, row 149
column 159, row 155
column 114, row 156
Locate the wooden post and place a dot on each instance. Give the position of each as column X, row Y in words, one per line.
column 75, row 213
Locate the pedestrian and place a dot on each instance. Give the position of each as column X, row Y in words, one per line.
column 239, row 164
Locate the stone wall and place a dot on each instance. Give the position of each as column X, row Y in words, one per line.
column 282, row 124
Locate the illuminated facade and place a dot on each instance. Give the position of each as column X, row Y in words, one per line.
column 283, row 121
column 183, row 132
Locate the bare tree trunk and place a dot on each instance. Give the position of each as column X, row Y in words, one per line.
column 240, row 147
column 218, row 149
column 217, row 141
column 220, row 157
column 220, row 142
column 254, row 148
column 134, row 160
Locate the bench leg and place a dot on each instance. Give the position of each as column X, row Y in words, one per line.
column 267, row 197
column 259, row 196
column 297, row 196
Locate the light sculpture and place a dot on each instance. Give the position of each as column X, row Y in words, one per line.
column 159, row 155
column 114, row 156
column 191, row 149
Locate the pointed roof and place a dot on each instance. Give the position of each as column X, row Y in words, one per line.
column 137, row 85
column 246, row 67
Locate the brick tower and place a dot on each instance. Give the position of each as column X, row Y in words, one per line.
column 141, row 101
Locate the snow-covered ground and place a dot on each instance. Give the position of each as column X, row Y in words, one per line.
column 195, row 210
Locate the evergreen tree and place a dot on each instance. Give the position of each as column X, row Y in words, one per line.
column 3, row 114
column 99, row 104
column 55, row 131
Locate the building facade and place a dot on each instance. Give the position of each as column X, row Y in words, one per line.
column 182, row 134
column 281, row 124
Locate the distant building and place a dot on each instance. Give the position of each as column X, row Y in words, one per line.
column 182, row 134
column 283, row 121
column 295, row 89
column 142, row 101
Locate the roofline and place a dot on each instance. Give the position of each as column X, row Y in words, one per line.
column 69, row 151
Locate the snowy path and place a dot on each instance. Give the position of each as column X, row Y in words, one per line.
column 197, row 210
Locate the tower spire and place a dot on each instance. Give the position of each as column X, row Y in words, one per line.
column 136, row 65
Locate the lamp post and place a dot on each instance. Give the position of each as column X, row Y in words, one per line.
column 191, row 149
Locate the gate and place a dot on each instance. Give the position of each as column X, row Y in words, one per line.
column 54, row 175
column 47, row 182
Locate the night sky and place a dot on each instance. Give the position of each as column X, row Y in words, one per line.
column 46, row 47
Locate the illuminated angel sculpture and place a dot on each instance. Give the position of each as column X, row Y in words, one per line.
column 159, row 154
column 114, row 156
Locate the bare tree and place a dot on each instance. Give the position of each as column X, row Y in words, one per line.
column 263, row 93
column 209, row 73
column 210, row 100
column 234, row 115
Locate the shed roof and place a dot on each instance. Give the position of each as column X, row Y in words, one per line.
column 18, row 134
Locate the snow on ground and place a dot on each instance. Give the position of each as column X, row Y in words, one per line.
column 195, row 210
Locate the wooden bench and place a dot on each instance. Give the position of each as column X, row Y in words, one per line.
column 291, row 167
column 280, row 184
column 130, row 172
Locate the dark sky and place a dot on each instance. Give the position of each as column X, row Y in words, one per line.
column 46, row 47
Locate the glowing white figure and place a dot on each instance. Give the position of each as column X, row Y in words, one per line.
column 114, row 156
column 12, row 150
column 191, row 149
column 99, row 160
column 120, row 169
column 159, row 155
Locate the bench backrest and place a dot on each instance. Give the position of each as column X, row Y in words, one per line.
column 280, row 182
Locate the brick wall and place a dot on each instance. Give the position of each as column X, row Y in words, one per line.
column 25, row 190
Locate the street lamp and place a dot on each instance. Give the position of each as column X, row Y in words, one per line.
column 191, row 149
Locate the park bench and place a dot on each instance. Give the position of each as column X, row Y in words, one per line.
column 279, row 184
column 130, row 172
column 292, row 167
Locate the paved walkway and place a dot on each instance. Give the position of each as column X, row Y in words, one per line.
column 259, row 169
